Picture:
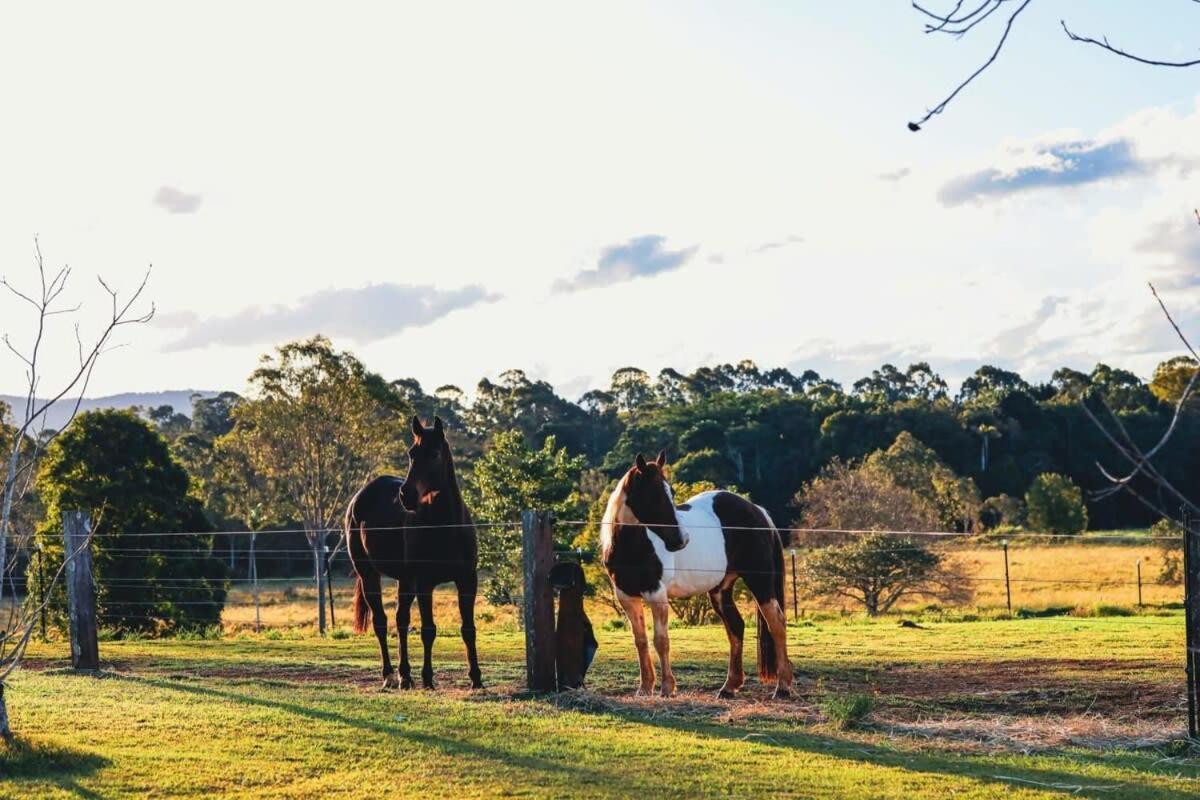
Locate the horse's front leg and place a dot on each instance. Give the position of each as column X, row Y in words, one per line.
column 662, row 643
column 637, row 623
column 466, row 609
column 403, row 622
column 428, row 634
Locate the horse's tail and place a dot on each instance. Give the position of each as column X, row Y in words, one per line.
column 766, row 643
column 360, row 606
column 358, row 558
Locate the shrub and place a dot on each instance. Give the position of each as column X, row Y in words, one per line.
column 845, row 711
column 863, row 498
column 1055, row 505
column 1108, row 610
column 1001, row 511
column 152, row 560
column 878, row 570
column 1169, row 535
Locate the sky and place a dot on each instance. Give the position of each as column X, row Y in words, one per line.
column 452, row 190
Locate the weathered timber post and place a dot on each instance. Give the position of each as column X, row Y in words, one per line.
column 1191, row 616
column 537, row 541
column 81, row 592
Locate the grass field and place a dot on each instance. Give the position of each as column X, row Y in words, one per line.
column 1031, row 708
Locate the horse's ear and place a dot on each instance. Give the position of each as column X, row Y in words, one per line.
column 640, row 462
column 662, row 459
column 437, row 424
column 417, row 428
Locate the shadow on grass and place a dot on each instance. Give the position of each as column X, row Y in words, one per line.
column 998, row 771
column 985, row 768
column 46, row 763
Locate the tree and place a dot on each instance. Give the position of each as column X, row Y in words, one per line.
column 916, row 467
column 989, row 385
column 958, row 21
column 25, row 441
column 510, row 477
column 864, row 498
column 317, row 427
column 1172, row 377
column 1054, row 504
column 878, row 570
column 152, row 555
column 213, row 416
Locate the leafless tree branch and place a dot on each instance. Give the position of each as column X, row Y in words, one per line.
column 958, row 22
column 1104, row 45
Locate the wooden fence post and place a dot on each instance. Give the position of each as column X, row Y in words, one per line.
column 537, row 540
column 81, row 592
column 1191, row 618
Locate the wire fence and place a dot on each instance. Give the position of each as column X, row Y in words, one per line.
column 288, row 590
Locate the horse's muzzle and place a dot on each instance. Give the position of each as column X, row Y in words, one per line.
column 676, row 546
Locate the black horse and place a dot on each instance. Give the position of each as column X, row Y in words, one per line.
column 418, row 531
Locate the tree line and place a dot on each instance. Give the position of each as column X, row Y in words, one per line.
column 315, row 424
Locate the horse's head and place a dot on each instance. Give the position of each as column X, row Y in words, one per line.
column 648, row 496
column 430, row 469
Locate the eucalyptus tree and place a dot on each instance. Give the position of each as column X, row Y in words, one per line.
column 317, row 426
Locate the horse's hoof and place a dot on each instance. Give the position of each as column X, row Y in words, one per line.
column 781, row 693
column 406, row 683
column 726, row 694
column 390, row 682
column 477, row 684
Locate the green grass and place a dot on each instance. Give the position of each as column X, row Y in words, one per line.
column 295, row 716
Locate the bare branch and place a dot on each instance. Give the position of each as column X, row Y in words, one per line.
column 1104, row 45
column 940, row 107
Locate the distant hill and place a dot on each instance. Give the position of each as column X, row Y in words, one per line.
column 56, row 417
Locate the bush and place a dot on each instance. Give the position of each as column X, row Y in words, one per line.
column 845, row 711
column 1169, row 536
column 153, row 564
column 1054, row 504
column 863, row 498
column 878, row 570
column 1001, row 511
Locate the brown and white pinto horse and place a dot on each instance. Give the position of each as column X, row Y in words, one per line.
column 654, row 550
column 419, row 532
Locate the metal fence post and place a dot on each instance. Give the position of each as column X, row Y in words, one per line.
column 81, row 591
column 1007, row 583
column 41, row 554
column 1191, row 615
column 795, row 594
column 537, row 539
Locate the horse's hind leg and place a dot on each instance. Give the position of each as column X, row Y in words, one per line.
column 467, row 588
column 403, row 622
column 428, row 634
column 374, row 597
column 772, row 624
column 735, row 630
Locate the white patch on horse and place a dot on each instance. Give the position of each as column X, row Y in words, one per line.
column 700, row 565
column 612, row 514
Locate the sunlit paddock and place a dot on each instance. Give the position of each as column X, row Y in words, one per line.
column 880, row 710
column 1077, row 578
